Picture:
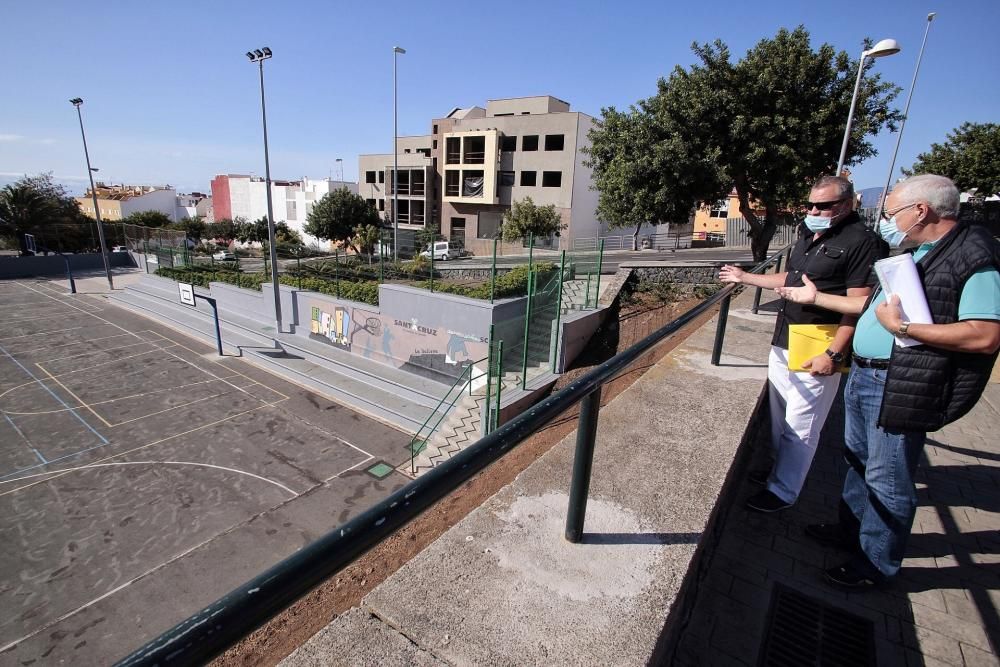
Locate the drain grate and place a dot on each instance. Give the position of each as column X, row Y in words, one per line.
column 805, row 631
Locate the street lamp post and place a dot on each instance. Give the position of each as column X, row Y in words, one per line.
column 395, row 157
column 340, row 168
column 906, row 112
column 886, row 47
column 259, row 56
column 78, row 102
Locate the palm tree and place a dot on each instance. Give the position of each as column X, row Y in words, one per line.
column 22, row 209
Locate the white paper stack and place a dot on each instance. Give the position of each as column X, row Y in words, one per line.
column 898, row 275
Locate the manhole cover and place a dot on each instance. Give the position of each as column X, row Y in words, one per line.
column 806, row 631
column 380, row 470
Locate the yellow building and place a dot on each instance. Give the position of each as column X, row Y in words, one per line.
column 119, row 201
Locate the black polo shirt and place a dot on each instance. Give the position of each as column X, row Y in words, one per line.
column 842, row 257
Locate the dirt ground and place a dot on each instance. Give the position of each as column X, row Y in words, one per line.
column 290, row 629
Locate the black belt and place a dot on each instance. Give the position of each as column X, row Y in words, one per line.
column 864, row 362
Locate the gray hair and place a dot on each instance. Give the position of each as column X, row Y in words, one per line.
column 844, row 187
column 939, row 192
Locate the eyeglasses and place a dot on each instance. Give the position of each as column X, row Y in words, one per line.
column 885, row 215
column 823, row 205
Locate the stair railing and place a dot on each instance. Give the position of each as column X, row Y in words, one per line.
column 420, row 439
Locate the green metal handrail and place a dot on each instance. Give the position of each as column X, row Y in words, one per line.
column 441, row 414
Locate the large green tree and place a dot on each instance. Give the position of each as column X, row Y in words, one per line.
column 526, row 218
column 970, row 156
column 148, row 219
column 337, row 214
column 37, row 205
column 194, row 227
column 768, row 125
column 225, row 229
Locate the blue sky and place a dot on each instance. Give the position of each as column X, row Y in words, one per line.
column 170, row 97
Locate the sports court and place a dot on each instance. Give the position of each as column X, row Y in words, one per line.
column 142, row 476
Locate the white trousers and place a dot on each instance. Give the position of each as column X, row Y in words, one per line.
column 799, row 404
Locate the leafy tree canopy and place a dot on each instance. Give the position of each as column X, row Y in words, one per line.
column 527, row 218
column 148, row 219
column 33, row 203
column 225, row 229
column 337, row 214
column 768, row 125
column 194, row 228
column 970, row 156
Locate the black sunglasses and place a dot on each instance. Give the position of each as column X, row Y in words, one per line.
column 823, row 205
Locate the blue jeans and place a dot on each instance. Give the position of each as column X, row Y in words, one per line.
column 879, row 490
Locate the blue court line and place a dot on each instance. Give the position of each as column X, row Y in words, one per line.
column 42, row 465
column 37, row 453
column 54, row 395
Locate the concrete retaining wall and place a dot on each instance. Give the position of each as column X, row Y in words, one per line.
column 54, row 265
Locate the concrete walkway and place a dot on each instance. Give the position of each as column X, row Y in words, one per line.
column 673, row 570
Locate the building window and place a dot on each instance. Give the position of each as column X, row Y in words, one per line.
column 371, row 202
column 417, row 182
column 506, row 179
column 472, row 183
column 458, row 228
column 435, row 130
column 551, row 179
column 489, row 225
column 554, row 142
column 451, row 178
column 369, row 177
column 381, row 204
column 529, row 142
column 404, row 212
column 720, row 209
column 425, row 151
column 381, row 177
column 452, row 150
column 475, row 150
column 508, row 144
column 435, row 144
column 528, row 178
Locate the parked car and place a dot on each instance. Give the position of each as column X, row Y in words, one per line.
column 224, row 255
column 119, row 248
column 443, row 250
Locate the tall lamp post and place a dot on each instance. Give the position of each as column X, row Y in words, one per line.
column 886, row 47
column 340, row 168
column 396, row 50
column 906, row 112
column 78, row 102
column 259, row 56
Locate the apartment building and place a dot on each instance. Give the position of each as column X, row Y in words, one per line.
column 245, row 196
column 477, row 161
column 120, row 201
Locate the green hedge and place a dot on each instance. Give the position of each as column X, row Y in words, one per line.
column 514, row 283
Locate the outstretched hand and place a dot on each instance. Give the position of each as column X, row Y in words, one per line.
column 731, row 274
column 805, row 294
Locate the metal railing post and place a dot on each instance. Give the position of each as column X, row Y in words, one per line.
column 527, row 324
column 432, row 267
column 496, row 413
column 583, row 463
column 493, row 272
column 531, row 249
column 336, row 272
column 145, row 254
column 600, row 264
column 720, row 329
column 553, row 358
column 756, row 300
column 777, row 264
column 489, row 380
column 586, row 294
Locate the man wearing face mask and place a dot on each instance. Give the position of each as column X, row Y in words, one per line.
column 895, row 394
column 837, row 253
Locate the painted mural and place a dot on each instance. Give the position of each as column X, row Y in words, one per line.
column 419, row 346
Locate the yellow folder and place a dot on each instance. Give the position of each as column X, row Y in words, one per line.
column 806, row 341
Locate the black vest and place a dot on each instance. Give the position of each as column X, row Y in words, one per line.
column 927, row 387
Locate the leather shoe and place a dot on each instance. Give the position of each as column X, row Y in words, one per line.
column 850, row 576
column 766, row 502
column 829, row 534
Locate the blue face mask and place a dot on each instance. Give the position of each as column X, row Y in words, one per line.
column 890, row 231
column 817, row 223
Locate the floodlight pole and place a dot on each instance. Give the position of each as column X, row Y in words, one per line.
column 906, row 112
column 886, row 47
column 396, row 50
column 78, row 102
column 258, row 56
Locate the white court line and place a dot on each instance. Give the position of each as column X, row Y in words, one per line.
column 25, row 438
column 73, row 396
column 113, row 400
column 370, row 458
column 127, row 451
column 75, row 342
column 43, row 333
column 175, row 407
column 63, row 471
column 109, row 349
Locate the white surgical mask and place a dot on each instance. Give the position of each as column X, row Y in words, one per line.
column 817, row 223
column 893, row 235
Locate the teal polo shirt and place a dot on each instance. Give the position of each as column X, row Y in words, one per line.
column 980, row 300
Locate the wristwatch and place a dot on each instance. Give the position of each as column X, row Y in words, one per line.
column 836, row 357
column 903, row 328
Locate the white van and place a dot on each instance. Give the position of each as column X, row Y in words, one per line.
column 443, row 251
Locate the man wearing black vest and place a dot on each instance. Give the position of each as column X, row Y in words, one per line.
column 837, row 253
column 895, row 394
